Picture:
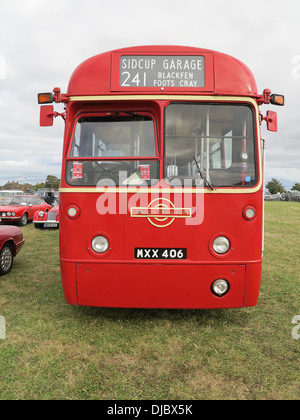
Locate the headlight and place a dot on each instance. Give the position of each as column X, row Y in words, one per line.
column 100, row 244
column 8, row 213
column 13, row 213
column 220, row 287
column 3, row 214
column 221, row 245
column 41, row 213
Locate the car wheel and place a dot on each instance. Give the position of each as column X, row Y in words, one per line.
column 24, row 219
column 6, row 260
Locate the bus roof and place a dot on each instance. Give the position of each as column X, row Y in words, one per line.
column 222, row 74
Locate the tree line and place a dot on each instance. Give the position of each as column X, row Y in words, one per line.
column 50, row 182
column 274, row 186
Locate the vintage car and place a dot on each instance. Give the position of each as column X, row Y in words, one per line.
column 49, row 195
column 11, row 241
column 42, row 219
column 21, row 208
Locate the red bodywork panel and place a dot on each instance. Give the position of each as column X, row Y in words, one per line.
column 226, row 75
column 118, row 279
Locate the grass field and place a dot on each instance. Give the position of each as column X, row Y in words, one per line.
column 55, row 351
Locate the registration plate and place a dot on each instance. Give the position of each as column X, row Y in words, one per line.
column 160, row 253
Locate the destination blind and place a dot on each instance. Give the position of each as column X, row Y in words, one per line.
column 162, row 71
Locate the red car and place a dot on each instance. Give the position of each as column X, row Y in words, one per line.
column 11, row 241
column 42, row 219
column 21, row 208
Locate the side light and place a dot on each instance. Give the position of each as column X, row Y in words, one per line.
column 220, row 287
column 221, row 245
column 100, row 244
column 249, row 213
column 73, row 211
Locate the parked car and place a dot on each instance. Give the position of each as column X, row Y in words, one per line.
column 42, row 219
column 272, row 197
column 293, row 195
column 11, row 241
column 21, row 208
column 49, row 195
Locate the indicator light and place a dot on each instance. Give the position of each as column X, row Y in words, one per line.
column 277, row 99
column 45, row 98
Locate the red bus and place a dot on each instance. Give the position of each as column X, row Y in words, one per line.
column 161, row 197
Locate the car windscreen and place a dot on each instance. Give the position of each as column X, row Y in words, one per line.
column 15, row 201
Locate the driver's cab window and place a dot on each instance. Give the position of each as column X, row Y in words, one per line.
column 118, row 149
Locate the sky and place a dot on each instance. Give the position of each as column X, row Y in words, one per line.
column 42, row 42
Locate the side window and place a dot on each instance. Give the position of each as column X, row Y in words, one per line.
column 75, row 150
column 221, row 152
column 228, row 150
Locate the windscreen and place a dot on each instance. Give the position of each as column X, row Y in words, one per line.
column 114, row 137
column 214, row 142
column 118, row 148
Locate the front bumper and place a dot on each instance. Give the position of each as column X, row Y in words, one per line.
column 47, row 223
column 9, row 218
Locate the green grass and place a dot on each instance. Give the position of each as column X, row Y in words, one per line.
column 55, row 351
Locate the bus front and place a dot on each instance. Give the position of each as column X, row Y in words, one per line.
column 161, row 198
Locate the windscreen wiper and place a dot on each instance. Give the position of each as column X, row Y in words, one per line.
column 202, row 174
